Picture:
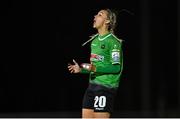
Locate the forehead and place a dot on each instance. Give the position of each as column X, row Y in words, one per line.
column 104, row 12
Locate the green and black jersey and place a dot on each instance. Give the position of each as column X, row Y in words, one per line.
column 106, row 55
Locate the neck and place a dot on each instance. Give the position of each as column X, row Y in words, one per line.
column 102, row 31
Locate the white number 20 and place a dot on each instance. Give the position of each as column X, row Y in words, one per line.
column 100, row 101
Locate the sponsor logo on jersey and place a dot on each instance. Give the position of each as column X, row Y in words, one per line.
column 95, row 57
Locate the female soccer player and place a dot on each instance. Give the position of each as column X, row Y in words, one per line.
column 105, row 67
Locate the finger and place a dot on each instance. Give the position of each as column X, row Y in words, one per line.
column 72, row 71
column 71, row 68
column 75, row 62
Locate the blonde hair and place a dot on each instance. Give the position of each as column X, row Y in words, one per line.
column 111, row 16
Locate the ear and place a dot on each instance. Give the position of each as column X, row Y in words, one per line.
column 107, row 21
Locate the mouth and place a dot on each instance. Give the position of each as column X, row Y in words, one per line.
column 94, row 21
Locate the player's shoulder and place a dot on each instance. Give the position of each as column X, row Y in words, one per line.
column 115, row 39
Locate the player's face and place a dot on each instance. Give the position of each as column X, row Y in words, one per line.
column 100, row 19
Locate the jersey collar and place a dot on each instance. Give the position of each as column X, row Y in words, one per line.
column 103, row 37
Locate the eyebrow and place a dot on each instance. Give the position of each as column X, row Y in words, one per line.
column 101, row 12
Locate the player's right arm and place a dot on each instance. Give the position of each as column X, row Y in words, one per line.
column 76, row 68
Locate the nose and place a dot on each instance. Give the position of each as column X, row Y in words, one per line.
column 95, row 16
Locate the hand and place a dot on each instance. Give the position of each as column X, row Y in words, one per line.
column 74, row 68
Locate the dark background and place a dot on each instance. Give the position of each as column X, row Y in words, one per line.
column 39, row 39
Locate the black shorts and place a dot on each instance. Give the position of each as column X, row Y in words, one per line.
column 99, row 98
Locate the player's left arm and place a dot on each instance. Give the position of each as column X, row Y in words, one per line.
column 115, row 60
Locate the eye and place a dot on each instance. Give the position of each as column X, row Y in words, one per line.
column 100, row 14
